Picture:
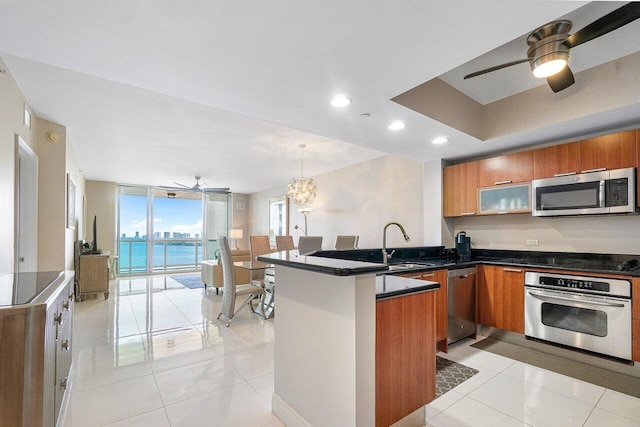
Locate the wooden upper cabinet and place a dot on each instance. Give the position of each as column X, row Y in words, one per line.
column 460, row 184
column 557, row 160
column 614, row 151
column 506, row 169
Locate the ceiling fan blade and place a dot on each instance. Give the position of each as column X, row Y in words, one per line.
column 494, row 68
column 612, row 21
column 216, row 190
column 562, row 80
column 182, row 185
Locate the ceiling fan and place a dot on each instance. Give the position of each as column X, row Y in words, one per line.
column 549, row 45
column 196, row 188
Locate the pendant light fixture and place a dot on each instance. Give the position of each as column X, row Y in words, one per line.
column 302, row 190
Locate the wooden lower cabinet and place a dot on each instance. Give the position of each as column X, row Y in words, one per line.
column 500, row 297
column 635, row 325
column 35, row 357
column 405, row 355
column 439, row 276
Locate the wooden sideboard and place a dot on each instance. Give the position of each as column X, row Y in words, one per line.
column 35, row 356
column 92, row 275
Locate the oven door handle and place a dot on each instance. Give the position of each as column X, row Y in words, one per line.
column 585, row 301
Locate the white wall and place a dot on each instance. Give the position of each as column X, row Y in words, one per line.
column 240, row 217
column 359, row 199
column 433, row 221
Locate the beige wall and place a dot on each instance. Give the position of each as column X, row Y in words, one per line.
column 11, row 123
column 598, row 234
column 55, row 241
column 101, row 202
column 56, row 160
column 359, row 199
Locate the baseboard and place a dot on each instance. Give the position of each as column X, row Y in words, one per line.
column 289, row 416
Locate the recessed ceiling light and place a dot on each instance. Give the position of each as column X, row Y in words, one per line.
column 397, row 125
column 340, row 101
column 439, row 140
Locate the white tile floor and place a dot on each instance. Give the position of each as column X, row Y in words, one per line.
column 155, row 355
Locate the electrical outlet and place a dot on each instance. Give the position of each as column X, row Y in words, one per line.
column 532, row 242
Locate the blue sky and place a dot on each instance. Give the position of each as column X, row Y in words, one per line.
column 173, row 215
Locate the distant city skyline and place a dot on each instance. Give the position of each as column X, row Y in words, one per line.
column 178, row 217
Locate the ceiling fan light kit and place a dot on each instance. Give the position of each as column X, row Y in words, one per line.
column 549, row 45
column 547, row 54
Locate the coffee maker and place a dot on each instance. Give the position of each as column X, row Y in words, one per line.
column 463, row 246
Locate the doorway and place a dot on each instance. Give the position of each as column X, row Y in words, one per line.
column 26, row 208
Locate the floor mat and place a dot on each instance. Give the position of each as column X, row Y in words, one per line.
column 612, row 380
column 450, row 374
column 191, row 281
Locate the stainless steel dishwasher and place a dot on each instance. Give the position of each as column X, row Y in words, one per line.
column 461, row 304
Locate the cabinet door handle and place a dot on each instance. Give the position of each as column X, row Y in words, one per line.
column 70, row 296
column 428, row 275
column 63, row 383
column 65, row 305
column 467, row 213
column 512, row 270
column 57, row 318
column 65, row 344
column 565, row 174
column 502, row 212
column 594, row 170
column 502, row 182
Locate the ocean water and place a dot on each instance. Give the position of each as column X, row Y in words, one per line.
column 133, row 255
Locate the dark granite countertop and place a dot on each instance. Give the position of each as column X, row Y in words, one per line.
column 333, row 266
column 389, row 286
column 360, row 261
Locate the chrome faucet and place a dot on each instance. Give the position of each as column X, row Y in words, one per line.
column 385, row 255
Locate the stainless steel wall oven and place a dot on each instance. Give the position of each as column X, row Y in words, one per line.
column 588, row 313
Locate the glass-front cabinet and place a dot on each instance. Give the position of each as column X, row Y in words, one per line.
column 502, row 199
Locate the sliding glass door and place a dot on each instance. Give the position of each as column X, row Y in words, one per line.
column 133, row 211
column 162, row 231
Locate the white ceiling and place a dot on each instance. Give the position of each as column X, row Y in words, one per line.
column 156, row 92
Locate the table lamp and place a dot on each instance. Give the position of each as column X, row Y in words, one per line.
column 235, row 234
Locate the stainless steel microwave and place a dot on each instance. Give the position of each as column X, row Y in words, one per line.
column 600, row 192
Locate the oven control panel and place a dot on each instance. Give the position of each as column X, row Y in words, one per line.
column 566, row 282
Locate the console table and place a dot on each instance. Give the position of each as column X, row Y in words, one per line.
column 92, row 275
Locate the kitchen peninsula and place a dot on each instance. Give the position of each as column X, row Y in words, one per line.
column 336, row 340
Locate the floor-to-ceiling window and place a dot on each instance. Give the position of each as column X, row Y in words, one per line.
column 160, row 230
column 177, row 230
column 133, row 207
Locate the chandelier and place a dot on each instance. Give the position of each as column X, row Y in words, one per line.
column 302, row 190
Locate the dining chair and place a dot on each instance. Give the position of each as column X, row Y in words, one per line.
column 284, row 243
column 230, row 291
column 346, row 242
column 258, row 245
column 308, row 244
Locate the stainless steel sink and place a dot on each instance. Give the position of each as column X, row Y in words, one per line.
column 409, row 266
